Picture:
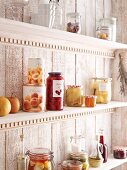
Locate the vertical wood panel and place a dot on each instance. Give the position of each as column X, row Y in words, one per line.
column 13, row 148
column 2, row 151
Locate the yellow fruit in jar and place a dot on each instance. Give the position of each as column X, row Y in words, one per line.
column 100, row 99
column 39, row 166
column 103, row 36
column 85, row 166
column 47, row 164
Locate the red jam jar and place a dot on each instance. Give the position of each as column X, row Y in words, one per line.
column 40, row 158
column 54, row 91
column 120, row 152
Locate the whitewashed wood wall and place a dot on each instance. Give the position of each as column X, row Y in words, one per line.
column 13, row 73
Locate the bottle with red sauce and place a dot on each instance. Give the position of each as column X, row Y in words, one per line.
column 54, row 91
column 104, row 147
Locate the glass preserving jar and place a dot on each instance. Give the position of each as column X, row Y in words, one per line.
column 82, row 157
column 107, row 29
column 73, row 23
column 54, row 91
column 105, row 33
column 101, row 87
column 71, row 165
column 90, row 101
column 74, row 96
column 40, row 158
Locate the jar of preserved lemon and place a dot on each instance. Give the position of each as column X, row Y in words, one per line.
column 101, row 87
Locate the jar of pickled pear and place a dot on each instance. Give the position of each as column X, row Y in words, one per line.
column 40, row 158
column 74, row 96
column 101, row 87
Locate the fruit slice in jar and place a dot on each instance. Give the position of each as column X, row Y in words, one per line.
column 39, row 166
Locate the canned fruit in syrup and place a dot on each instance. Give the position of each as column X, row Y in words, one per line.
column 33, row 98
column 35, row 71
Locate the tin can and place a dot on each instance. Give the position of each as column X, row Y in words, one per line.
column 33, row 98
column 35, row 71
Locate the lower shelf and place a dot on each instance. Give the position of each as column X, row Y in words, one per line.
column 111, row 163
column 25, row 118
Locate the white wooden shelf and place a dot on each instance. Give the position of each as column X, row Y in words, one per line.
column 25, row 118
column 23, row 34
column 111, row 163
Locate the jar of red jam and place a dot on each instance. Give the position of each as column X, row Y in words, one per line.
column 40, row 159
column 54, row 91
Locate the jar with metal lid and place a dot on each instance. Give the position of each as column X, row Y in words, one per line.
column 54, row 91
column 71, row 165
column 101, row 87
column 105, row 33
column 74, row 96
column 73, row 23
column 40, row 158
column 82, row 157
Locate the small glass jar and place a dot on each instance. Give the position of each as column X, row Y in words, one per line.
column 74, row 96
column 77, row 143
column 73, row 23
column 82, row 157
column 105, row 33
column 101, row 87
column 71, row 165
column 120, row 152
column 90, row 101
column 54, row 91
column 40, row 158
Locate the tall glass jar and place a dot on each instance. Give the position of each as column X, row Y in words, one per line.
column 40, row 158
column 73, row 23
column 56, row 15
column 101, row 87
column 54, row 91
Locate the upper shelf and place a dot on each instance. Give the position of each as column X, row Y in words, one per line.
column 24, row 118
column 18, row 33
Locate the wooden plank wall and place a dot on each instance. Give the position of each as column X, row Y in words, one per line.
column 79, row 67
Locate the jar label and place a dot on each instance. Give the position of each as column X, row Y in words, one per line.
column 58, row 88
column 103, row 86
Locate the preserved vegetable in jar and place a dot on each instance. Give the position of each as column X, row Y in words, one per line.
column 40, row 159
column 90, row 101
column 101, row 87
column 54, row 91
column 74, row 96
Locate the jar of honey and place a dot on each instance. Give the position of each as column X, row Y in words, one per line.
column 54, row 91
column 71, row 165
column 74, row 96
column 101, row 87
column 40, row 158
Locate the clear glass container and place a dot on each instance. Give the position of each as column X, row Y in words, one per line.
column 105, row 33
column 40, row 158
column 56, row 15
column 71, row 165
column 90, row 101
column 77, row 143
column 107, row 29
column 73, row 23
column 74, row 96
column 101, row 87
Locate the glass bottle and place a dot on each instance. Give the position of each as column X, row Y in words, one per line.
column 71, row 165
column 22, row 159
column 40, row 158
column 105, row 148
column 56, row 15
column 73, row 23
column 54, row 91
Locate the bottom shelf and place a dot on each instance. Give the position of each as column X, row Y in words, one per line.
column 111, row 163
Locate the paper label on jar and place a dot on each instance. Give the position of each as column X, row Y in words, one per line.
column 103, row 87
column 58, row 88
